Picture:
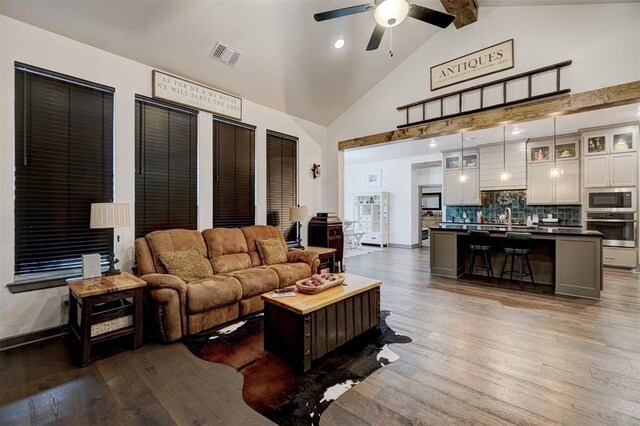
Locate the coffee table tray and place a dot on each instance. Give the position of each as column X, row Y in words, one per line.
column 315, row 290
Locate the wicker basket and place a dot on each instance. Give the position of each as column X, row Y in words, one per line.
column 314, row 290
column 112, row 325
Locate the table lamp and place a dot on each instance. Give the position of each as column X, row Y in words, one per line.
column 298, row 214
column 110, row 215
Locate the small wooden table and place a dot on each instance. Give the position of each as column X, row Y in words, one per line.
column 327, row 257
column 305, row 327
column 102, row 309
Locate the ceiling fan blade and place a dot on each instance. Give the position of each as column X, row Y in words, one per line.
column 376, row 37
column 430, row 16
column 338, row 13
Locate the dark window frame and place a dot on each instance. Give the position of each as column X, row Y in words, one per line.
column 233, row 208
column 276, row 207
column 160, row 205
column 72, row 113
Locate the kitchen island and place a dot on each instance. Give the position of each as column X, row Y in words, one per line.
column 570, row 259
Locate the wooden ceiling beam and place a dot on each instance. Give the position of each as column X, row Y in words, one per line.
column 607, row 97
column 466, row 11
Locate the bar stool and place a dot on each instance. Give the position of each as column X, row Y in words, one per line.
column 517, row 245
column 478, row 244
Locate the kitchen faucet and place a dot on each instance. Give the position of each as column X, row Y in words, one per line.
column 507, row 213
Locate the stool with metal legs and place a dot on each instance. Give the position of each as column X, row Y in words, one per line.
column 518, row 245
column 479, row 243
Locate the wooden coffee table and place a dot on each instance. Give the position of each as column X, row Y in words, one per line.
column 305, row 327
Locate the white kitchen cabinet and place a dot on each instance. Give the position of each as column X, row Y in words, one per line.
column 596, row 171
column 623, row 169
column 567, row 185
column 372, row 217
column 611, row 158
column 452, row 193
column 539, row 184
column 544, row 189
column 456, row 193
column 612, row 170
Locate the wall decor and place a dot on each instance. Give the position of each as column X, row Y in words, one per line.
column 373, row 178
column 315, row 171
column 489, row 60
column 194, row 95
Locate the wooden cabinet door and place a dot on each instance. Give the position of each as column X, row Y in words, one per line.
column 471, row 188
column 567, row 185
column 596, row 171
column 539, row 184
column 624, row 169
column 451, row 189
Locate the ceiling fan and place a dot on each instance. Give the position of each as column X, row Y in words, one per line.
column 389, row 13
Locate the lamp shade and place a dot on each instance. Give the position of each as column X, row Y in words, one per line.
column 298, row 214
column 109, row 215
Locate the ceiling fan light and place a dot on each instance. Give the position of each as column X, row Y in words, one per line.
column 390, row 13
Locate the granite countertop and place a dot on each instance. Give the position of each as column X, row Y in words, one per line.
column 548, row 230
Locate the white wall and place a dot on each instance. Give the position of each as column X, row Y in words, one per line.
column 398, row 180
column 542, row 35
column 27, row 312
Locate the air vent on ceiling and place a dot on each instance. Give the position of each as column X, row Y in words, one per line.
column 225, row 54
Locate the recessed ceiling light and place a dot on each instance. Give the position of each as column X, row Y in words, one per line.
column 339, row 44
column 516, row 132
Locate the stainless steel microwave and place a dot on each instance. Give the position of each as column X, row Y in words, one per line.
column 611, row 200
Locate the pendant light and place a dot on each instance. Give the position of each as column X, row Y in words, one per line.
column 463, row 177
column 555, row 171
column 504, row 174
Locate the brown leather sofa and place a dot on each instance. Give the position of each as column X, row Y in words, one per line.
column 178, row 309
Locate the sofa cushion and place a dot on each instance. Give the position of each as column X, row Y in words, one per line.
column 172, row 240
column 255, row 281
column 271, row 251
column 189, row 264
column 251, row 233
column 209, row 293
column 230, row 262
column 221, row 241
column 289, row 273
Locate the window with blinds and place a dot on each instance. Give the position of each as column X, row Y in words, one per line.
column 63, row 163
column 166, row 167
column 234, row 191
column 282, row 183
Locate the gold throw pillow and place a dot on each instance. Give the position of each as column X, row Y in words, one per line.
column 271, row 251
column 188, row 265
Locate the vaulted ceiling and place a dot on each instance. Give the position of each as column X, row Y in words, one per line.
column 288, row 60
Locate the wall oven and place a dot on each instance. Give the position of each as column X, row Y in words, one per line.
column 611, row 200
column 619, row 229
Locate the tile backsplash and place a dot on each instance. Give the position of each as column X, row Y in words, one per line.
column 494, row 204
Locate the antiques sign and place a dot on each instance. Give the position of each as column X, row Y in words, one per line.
column 492, row 59
column 195, row 95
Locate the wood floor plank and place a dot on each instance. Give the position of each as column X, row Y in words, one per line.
column 480, row 355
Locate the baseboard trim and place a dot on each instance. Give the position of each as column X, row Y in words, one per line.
column 404, row 246
column 27, row 338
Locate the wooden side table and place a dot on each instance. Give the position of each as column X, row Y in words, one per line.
column 327, row 257
column 104, row 309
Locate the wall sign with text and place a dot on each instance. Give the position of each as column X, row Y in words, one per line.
column 498, row 57
column 194, row 95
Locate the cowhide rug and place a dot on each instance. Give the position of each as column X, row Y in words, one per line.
column 281, row 393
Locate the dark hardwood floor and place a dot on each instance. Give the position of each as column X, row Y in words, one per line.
column 480, row 355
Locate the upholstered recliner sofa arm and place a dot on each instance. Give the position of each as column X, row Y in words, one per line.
column 166, row 302
column 309, row 257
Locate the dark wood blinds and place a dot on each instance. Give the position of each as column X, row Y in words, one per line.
column 166, row 167
column 234, row 190
column 282, row 183
column 63, row 163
